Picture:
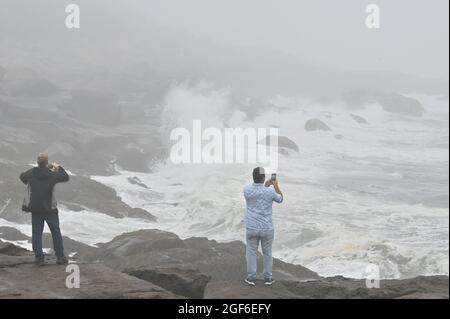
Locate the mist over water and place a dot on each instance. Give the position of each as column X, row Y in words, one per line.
column 354, row 196
column 367, row 110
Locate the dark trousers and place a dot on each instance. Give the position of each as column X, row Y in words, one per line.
column 52, row 220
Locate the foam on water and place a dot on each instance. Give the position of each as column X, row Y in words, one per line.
column 349, row 202
column 85, row 226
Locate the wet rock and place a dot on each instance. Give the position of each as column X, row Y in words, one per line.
column 399, row 104
column 154, row 248
column 11, row 249
column 136, row 181
column 334, row 288
column 183, row 282
column 359, row 119
column 316, row 125
column 283, row 142
column 21, row 278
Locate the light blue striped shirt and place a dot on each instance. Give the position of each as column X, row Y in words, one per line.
column 259, row 199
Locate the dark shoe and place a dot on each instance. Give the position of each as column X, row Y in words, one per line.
column 62, row 260
column 40, row 261
column 269, row 282
column 250, row 282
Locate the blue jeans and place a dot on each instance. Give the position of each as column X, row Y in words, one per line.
column 37, row 223
column 253, row 239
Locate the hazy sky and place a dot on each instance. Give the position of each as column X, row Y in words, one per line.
column 413, row 37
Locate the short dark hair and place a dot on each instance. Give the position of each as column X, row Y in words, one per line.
column 259, row 175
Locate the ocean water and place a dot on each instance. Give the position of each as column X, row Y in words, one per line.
column 357, row 197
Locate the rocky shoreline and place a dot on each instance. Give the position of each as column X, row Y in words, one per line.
column 153, row 264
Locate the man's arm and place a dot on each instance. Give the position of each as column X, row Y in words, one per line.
column 277, row 188
column 24, row 177
column 61, row 174
column 277, row 195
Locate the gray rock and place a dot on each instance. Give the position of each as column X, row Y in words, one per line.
column 136, row 181
column 11, row 249
column 12, row 234
column 149, row 249
column 183, row 282
column 334, row 288
column 88, row 193
column 399, row 104
column 283, row 142
column 316, row 125
column 20, row 278
column 70, row 245
column 359, row 119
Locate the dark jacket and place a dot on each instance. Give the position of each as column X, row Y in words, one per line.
column 41, row 182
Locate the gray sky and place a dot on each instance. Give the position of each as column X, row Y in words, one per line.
column 413, row 37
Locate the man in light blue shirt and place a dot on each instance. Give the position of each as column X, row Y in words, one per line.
column 259, row 197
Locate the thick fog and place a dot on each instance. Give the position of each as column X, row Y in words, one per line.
column 362, row 116
column 413, row 37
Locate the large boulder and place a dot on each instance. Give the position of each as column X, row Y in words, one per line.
column 283, row 142
column 183, row 282
column 399, row 104
column 11, row 249
column 149, row 249
column 316, row 125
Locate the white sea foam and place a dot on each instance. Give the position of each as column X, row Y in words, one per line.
column 85, row 226
column 349, row 202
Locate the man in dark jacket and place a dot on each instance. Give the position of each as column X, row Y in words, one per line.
column 42, row 181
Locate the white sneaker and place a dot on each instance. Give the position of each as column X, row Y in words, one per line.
column 250, row 282
column 269, row 282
